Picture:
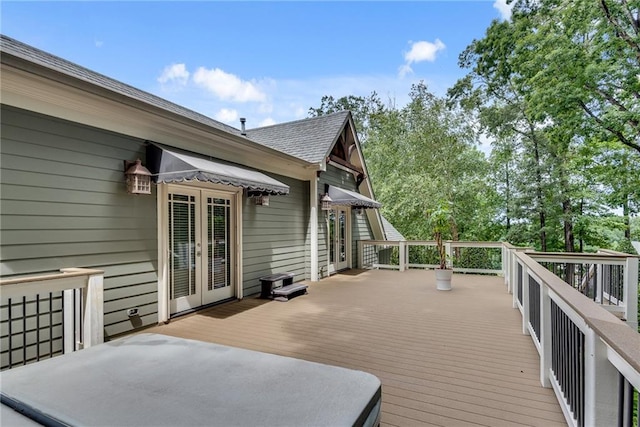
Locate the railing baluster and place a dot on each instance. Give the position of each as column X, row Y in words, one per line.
column 24, row 330
column 50, row 324
column 10, row 331
column 37, row 327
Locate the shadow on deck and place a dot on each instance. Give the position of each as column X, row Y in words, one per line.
column 444, row 358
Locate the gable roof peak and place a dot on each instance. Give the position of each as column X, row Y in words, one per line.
column 309, row 139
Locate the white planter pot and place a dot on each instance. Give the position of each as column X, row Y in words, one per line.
column 443, row 279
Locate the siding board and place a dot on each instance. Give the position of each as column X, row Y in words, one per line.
column 274, row 237
column 64, row 204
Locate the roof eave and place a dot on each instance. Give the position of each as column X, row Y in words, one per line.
column 35, row 87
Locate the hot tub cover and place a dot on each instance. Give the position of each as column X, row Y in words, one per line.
column 157, row 380
column 168, row 165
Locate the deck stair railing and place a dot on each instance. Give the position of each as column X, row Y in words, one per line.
column 44, row 316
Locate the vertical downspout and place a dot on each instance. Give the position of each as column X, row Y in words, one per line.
column 162, row 198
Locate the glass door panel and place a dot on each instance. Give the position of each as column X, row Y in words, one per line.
column 338, row 239
column 184, row 283
column 341, row 242
column 219, row 237
column 201, row 248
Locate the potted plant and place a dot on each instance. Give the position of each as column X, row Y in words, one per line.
column 439, row 220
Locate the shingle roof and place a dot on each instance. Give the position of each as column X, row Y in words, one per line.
column 390, row 231
column 307, row 139
column 14, row 47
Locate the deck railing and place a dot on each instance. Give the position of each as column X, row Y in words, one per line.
column 44, row 316
column 464, row 257
column 608, row 278
column 590, row 357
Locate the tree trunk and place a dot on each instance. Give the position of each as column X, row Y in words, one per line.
column 507, row 197
column 569, row 241
column 539, row 197
column 625, row 215
column 581, row 233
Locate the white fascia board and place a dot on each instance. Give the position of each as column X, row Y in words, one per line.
column 81, row 102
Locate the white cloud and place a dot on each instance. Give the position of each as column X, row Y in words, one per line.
column 423, row 51
column 174, row 73
column 504, row 8
column 98, row 43
column 267, row 122
column 227, row 115
column 290, row 99
column 420, row 51
column 227, row 86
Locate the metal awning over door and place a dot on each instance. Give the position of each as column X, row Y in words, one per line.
column 173, row 166
column 342, row 197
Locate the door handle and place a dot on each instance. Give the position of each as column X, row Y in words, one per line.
column 198, row 253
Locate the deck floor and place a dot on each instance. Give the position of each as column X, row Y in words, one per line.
column 453, row 358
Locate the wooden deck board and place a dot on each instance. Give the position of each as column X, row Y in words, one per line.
column 445, row 358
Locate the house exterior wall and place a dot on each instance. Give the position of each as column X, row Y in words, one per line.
column 64, row 204
column 275, row 237
column 360, row 228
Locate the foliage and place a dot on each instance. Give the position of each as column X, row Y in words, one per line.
column 556, row 89
column 481, row 258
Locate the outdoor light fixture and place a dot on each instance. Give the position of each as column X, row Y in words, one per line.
column 138, row 177
column 326, row 201
column 359, row 211
column 261, row 200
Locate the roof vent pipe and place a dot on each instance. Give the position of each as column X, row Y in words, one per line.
column 242, row 129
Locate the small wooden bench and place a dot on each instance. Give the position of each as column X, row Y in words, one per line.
column 284, row 291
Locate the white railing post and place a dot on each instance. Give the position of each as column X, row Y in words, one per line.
column 630, row 292
column 360, row 254
column 401, row 255
column 448, row 252
column 68, row 321
column 545, row 336
column 600, row 384
column 505, row 264
column 597, row 289
column 93, row 321
column 525, row 300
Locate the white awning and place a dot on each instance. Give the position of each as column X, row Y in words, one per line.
column 169, row 166
column 342, row 197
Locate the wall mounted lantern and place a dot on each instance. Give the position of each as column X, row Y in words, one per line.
column 359, row 211
column 138, row 177
column 325, row 202
column 261, row 200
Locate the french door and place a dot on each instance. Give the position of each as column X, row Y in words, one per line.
column 339, row 243
column 201, row 247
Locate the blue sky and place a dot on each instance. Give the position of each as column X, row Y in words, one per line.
column 266, row 61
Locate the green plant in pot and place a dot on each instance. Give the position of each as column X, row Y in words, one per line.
column 439, row 220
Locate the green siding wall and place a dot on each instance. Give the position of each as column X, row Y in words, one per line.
column 275, row 237
column 64, row 204
column 360, row 228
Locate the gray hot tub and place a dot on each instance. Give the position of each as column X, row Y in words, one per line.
column 157, row 380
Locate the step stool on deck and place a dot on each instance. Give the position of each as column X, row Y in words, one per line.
column 283, row 292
